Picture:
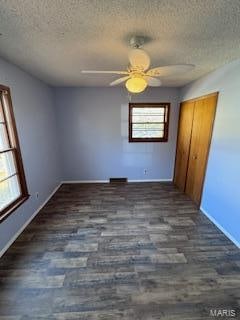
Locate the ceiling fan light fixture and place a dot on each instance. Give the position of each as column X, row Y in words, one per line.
column 136, row 84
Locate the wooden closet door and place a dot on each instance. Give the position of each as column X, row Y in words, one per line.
column 183, row 143
column 204, row 114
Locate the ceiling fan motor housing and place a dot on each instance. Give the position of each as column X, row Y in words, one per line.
column 137, row 42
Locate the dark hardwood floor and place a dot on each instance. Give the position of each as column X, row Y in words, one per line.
column 110, row 252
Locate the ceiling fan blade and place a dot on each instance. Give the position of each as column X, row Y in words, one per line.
column 99, row 71
column 170, row 70
column 118, row 81
column 153, row 82
column 139, row 59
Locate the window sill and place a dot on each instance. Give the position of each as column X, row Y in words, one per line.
column 12, row 207
column 147, row 139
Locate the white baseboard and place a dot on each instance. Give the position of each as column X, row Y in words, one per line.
column 107, row 181
column 10, row 242
column 85, row 181
column 227, row 234
column 151, row 180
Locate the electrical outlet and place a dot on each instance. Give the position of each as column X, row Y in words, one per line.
column 145, row 171
column 36, row 195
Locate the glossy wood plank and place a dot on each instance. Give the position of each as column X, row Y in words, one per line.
column 128, row 251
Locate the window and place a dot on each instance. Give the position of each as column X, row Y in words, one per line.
column 13, row 188
column 148, row 122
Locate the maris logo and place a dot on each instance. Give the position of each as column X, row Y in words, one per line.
column 222, row 313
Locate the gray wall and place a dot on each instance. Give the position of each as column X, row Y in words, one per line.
column 36, row 125
column 221, row 193
column 93, row 130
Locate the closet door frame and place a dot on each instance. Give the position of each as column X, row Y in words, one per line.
column 213, row 94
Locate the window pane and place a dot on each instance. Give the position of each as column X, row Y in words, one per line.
column 9, row 191
column 5, row 97
column 148, row 133
column 148, row 118
column 1, row 112
column 148, row 126
column 4, row 144
column 7, row 165
column 148, row 115
column 158, row 111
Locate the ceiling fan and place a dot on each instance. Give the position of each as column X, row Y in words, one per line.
column 138, row 75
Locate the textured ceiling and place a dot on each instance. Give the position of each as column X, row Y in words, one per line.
column 54, row 40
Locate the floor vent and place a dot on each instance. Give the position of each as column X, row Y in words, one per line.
column 118, row 180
